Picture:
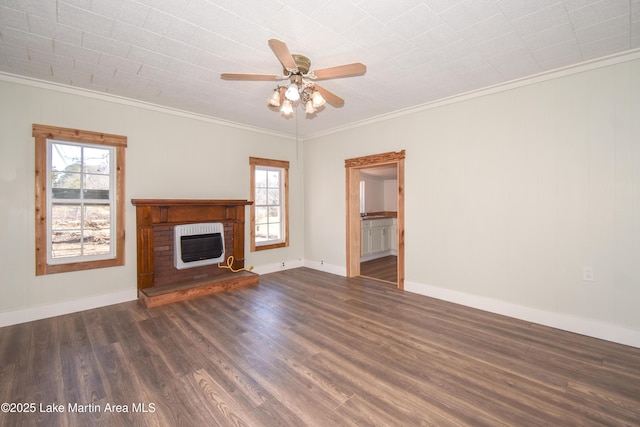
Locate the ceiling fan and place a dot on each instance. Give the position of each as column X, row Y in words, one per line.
column 302, row 87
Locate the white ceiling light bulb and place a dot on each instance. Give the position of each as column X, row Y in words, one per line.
column 292, row 93
column 318, row 100
column 287, row 108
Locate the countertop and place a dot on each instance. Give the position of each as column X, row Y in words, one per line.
column 379, row 215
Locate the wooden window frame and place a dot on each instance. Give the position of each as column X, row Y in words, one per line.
column 284, row 165
column 42, row 133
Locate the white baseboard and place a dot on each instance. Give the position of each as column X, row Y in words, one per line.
column 565, row 322
column 58, row 309
column 339, row 270
column 272, row 268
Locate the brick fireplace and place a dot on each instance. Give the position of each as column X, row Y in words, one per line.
column 159, row 281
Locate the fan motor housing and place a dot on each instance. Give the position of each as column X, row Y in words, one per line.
column 302, row 62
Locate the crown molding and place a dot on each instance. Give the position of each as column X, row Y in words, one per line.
column 59, row 87
column 589, row 65
column 582, row 67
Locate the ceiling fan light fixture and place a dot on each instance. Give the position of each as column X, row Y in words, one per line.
column 287, row 108
column 298, row 90
column 274, row 99
column 309, row 108
column 318, row 100
column 292, row 93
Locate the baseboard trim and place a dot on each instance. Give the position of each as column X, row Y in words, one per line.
column 272, row 268
column 58, row 309
column 565, row 322
column 327, row 268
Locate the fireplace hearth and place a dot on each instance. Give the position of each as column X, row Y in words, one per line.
column 161, row 278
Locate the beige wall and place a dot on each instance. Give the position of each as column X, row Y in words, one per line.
column 168, row 156
column 508, row 196
column 391, row 195
column 374, row 193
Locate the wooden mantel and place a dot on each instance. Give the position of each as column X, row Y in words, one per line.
column 189, row 202
column 156, row 216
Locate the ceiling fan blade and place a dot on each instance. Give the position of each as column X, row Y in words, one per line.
column 330, row 97
column 235, row 76
column 284, row 56
column 347, row 70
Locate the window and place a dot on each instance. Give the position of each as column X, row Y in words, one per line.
column 79, row 199
column 270, row 209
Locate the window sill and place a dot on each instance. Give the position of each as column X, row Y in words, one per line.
column 78, row 266
column 269, row 246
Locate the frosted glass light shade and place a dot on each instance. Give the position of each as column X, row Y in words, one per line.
column 318, row 100
column 274, row 99
column 292, row 93
column 309, row 108
column 287, row 108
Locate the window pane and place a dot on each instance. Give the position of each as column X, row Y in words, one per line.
column 96, row 186
column 66, row 244
column 97, row 217
column 273, row 178
column 96, row 242
column 66, row 186
column 274, row 196
column 274, row 231
column 65, row 157
column 261, row 196
column 261, row 232
column 65, row 171
column 96, row 160
column 274, row 214
column 65, row 217
column 261, row 215
column 261, row 178
column 97, row 231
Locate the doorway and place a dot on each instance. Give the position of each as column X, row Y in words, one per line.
column 354, row 169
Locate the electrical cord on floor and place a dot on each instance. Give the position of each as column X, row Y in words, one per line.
column 230, row 266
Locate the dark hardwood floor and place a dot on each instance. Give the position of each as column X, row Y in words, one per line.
column 310, row 348
column 385, row 268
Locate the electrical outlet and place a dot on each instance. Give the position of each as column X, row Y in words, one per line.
column 321, row 262
column 282, row 265
column 587, row 274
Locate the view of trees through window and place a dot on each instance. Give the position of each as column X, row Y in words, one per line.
column 268, row 222
column 81, row 200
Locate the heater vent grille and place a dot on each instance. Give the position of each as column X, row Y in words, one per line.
column 199, row 244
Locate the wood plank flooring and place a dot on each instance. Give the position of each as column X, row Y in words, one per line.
column 385, row 268
column 309, row 348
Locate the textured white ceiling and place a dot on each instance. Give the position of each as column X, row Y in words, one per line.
column 171, row 52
